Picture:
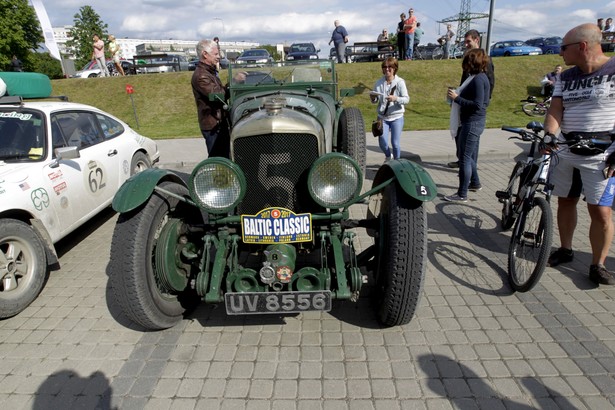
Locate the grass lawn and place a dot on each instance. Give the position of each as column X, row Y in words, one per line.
column 165, row 107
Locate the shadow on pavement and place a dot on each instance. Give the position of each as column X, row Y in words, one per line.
column 65, row 389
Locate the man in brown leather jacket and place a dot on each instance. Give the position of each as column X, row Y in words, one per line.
column 212, row 117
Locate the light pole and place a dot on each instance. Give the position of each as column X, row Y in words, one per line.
column 222, row 22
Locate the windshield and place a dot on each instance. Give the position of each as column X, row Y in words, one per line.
column 22, row 135
column 302, row 48
column 319, row 74
column 254, row 53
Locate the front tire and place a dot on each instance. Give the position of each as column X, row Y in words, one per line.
column 437, row 54
column 140, row 287
column 23, row 266
column 351, row 135
column 529, row 245
column 402, row 254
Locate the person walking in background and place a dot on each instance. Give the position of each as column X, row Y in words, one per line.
column 600, row 23
column 114, row 50
column 391, row 94
column 472, row 41
column 409, row 27
column 401, row 37
column 16, row 64
column 339, row 38
column 99, row 55
column 418, row 34
column 448, row 41
column 467, row 122
column 583, row 109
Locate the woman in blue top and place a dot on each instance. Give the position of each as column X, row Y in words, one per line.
column 391, row 94
column 468, row 115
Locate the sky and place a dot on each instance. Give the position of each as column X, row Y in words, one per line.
column 289, row 21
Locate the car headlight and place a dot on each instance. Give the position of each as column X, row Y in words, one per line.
column 334, row 180
column 313, row 57
column 217, row 185
column 290, row 58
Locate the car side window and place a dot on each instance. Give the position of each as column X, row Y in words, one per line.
column 110, row 127
column 80, row 128
column 58, row 139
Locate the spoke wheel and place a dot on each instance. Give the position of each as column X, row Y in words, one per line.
column 402, row 255
column 529, row 245
column 508, row 216
column 534, row 109
column 437, row 54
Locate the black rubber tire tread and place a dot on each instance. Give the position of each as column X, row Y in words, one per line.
column 402, row 257
column 131, row 269
column 28, row 288
column 544, row 227
column 534, row 110
column 508, row 219
column 139, row 158
column 351, row 135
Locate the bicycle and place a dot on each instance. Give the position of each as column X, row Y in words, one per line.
column 455, row 52
column 533, row 108
column 530, row 214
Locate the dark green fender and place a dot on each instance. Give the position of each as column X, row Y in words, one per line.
column 413, row 178
column 138, row 188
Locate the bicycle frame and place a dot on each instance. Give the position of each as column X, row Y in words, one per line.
column 539, row 178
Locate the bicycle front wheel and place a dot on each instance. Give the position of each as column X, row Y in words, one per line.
column 437, row 54
column 534, row 109
column 529, row 245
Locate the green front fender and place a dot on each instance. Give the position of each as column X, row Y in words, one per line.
column 413, row 178
column 138, row 188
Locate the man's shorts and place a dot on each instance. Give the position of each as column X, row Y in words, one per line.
column 573, row 175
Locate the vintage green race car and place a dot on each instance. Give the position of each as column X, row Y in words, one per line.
column 269, row 231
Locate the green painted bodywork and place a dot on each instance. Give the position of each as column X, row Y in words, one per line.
column 413, row 178
column 138, row 188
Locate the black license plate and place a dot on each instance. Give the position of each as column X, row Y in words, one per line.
column 250, row 303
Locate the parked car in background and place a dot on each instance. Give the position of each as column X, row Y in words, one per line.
column 91, row 70
column 548, row 45
column 254, row 57
column 513, row 48
column 163, row 64
column 302, row 51
column 223, row 63
column 333, row 54
column 61, row 163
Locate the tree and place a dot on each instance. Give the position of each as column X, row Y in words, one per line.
column 86, row 23
column 273, row 51
column 20, row 32
column 46, row 64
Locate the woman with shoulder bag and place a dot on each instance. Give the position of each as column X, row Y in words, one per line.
column 390, row 94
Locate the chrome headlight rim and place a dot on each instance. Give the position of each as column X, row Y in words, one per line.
column 335, row 157
column 225, row 164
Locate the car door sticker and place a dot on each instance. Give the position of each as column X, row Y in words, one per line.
column 95, row 177
column 59, row 188
column 40, row 198
column 55, row 176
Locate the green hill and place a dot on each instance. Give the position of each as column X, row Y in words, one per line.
column 165, row 106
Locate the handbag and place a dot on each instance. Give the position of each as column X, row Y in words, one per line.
column 377, row 123
column 377, row 127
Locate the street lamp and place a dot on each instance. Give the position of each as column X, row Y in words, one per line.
column 222, row 22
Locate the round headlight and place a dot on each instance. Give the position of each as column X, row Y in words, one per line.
column 217, row 184
column 334, row 180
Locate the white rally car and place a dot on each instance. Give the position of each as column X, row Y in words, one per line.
column 60, row 164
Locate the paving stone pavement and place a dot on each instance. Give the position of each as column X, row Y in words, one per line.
column 472, row 344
